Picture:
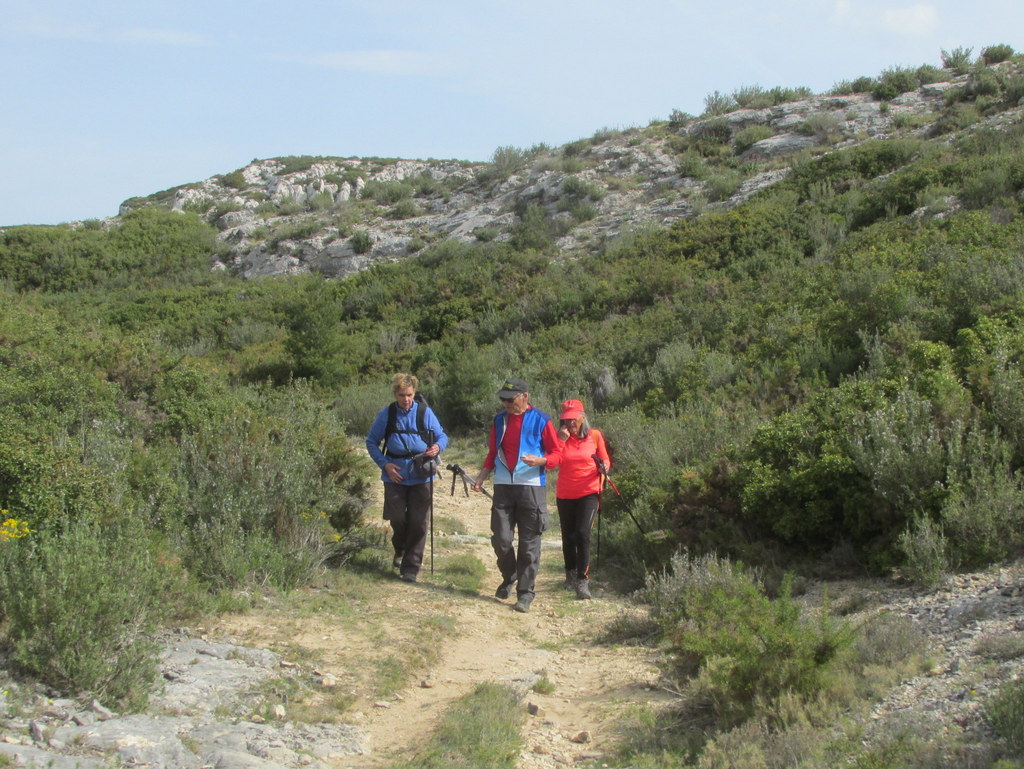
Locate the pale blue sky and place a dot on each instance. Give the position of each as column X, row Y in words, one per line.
column 103, row 100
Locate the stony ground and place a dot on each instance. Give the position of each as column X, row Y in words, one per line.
column 213, row 709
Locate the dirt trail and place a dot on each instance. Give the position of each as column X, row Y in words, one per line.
column 593, row 683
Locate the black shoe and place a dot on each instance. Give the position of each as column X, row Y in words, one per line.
column 523, row 604
column 504, row 588
column 408, row 577
column 396, row 562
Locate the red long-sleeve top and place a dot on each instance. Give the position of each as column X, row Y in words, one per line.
column 577, row 473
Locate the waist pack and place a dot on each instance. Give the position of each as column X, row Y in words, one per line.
column 425, row 466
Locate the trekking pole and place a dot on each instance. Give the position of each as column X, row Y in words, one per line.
column 431, row 524
column 458, row 472
column 430, row 442
column 602, row 470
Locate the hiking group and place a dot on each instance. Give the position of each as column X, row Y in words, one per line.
column 406, row 440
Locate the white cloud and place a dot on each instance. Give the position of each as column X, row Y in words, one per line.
column 916, row 20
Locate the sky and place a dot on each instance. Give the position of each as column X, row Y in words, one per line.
column 105, row 100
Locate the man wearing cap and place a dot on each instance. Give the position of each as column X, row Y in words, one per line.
column 523, row 441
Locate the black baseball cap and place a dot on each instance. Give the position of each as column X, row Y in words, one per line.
column 512, row 387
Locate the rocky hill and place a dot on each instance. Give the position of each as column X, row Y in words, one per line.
column 337, row 216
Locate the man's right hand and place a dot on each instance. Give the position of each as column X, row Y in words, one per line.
column 478, row 482
column 392, row 471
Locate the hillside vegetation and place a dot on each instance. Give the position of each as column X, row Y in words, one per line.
column 822, row 373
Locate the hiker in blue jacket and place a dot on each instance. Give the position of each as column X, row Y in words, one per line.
column 405, row 441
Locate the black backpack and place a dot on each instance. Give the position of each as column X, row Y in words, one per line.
column 421, row 426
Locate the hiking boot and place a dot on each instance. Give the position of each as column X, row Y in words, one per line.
column 396, row 562
column 504, row 588
column 583, row 589
column 408, row 577
column 523, row 604
column 570, row 579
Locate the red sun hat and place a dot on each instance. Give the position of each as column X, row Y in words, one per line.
column 571, row 409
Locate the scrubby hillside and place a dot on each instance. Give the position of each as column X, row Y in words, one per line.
column 797, row 319
column 336, row 216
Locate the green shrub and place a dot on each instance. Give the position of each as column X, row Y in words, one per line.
column 1004, row 712
column 741, row 649
column 386, row 193
column 982, row 82
column 404, row 209
column 718, row 103
column 361, row 241
column 722, row 185
column 825, row 128
column 797, row 476
column 79, row 602
column 958, row 60
column 864, row 84
column 269, row 493
column 924, row 548
column 45, row 482
column 982, row 516
column 534, row 230
column 235, row 180
column 748, row 137
column 893, row 82
column 506, row 161
column 927, row 73
column 994, row 54
column 577, row 187
column 903, row 452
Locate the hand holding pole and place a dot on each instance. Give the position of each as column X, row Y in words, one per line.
column 458, row 472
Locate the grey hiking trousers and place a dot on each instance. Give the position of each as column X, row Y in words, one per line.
column 525, row 508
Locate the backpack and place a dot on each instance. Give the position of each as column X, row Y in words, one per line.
column 421, row 427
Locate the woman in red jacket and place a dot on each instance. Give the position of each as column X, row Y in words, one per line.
column 578, row 492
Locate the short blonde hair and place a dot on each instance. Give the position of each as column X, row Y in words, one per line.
column 401, row 381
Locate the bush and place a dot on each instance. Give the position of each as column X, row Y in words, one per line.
column 269, row 494
column 404, row 209
column 578, row 187
column 1005, row 714
column 893, row 82
column 924, row 551
column 741, row 650
column 750, row 136
column 994, row 54
column 79, row 601
column 387, row 193
column 718, row 104
column 958, row 60
column 361, row 241
column 506, row 161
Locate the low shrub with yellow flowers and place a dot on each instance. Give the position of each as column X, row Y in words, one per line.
column 12, row 528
